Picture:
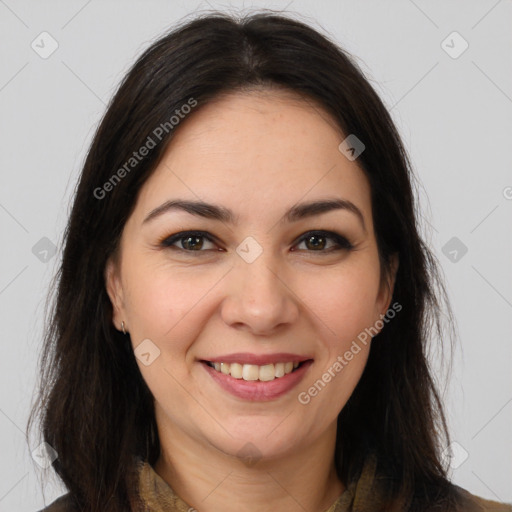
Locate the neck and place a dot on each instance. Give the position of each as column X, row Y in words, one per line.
column 210, row 480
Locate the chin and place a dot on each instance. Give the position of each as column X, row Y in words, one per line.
column 263, row 441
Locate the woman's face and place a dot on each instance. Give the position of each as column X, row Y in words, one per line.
column 269, row 280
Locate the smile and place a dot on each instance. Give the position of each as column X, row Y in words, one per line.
column 251, row 372
column 257, row 382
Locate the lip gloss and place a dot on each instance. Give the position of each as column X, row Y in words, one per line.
column 258, row 391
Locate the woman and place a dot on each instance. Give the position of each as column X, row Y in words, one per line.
column 244, row 299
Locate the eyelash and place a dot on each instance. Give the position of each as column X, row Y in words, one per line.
column 341, row 241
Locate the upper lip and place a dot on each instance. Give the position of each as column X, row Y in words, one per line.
column 258, row 359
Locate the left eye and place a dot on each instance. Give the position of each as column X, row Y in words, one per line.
column 317, row 241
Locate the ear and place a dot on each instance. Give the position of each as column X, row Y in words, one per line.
column 387, row 286
column 115, row 293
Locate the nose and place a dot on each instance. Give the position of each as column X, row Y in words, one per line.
column 259, row 298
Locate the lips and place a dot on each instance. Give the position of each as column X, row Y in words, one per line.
column 257, row 377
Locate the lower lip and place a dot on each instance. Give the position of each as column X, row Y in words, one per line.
column 259, row 391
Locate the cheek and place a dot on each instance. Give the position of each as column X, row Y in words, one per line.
column 345, row 306
column 344, row 300
column 162, row 303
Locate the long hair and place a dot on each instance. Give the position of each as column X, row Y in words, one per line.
column 95, row 410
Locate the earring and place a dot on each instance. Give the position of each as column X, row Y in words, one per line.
column 122, row 327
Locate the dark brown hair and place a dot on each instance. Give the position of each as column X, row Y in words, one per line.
column 94, row 407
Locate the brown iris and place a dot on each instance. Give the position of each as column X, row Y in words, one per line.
column 318, row 245
column 193, row 242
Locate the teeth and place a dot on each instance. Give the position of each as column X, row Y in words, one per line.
column 267, row 372
column 250, row 372
column 279, row 370
column 253, row 372
column 236, row 370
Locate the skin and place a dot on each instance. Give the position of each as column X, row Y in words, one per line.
column 257, row 153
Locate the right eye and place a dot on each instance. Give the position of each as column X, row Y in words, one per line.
column 188, row 241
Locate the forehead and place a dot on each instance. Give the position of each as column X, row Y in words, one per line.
column 257, row 149
column 259, row 124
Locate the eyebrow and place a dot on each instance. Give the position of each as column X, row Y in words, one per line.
column 220, row 213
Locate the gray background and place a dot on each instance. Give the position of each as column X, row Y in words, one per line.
column 455, row 115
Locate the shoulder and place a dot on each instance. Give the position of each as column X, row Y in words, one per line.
column 62, row 504
column 471, row 503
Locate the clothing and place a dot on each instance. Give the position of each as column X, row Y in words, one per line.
column 362, row 496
